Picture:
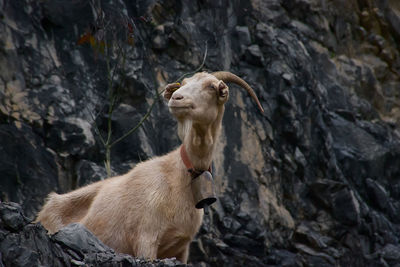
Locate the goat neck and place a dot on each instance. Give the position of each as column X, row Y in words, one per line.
column 200, row 140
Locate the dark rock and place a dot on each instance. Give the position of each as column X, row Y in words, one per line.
column 160, row 38
column 243, row 35
column 346, row 207
column 231, row 224
column 197, row 251
column 130, row 149
column 29, row 245
column 73, row 136
column 251, row 246
column 88, row 172
column 229, row 205
column 314, row 257
column 391, row 253
column 393, row 18
column 379, row 196
column 11, row 216
column 79, row 238
column 265, row 34
column 322, row 190
column 306, row 235
column 282, row 257
column 254, row 55
column 29, row 169
column 311, row 182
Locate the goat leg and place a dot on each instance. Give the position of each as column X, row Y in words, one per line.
column 147, row 246
column 184, row 255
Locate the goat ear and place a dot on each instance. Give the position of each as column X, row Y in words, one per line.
column 170, row 89
column 223, row 92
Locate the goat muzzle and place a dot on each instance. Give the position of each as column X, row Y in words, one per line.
column 203, row 190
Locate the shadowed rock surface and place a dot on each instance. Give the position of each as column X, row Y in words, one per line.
column 314, row 181
column 26, row 244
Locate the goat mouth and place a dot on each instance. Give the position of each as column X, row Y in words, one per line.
column 180, row 106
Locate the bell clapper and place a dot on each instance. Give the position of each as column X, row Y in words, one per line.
column 206, row 211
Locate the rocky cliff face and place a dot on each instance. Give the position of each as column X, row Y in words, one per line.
column 314, row 181
column 26, row 244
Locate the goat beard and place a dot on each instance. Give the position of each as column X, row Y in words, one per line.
column 184, row 129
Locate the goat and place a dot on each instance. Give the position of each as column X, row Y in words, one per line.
column 150, row 211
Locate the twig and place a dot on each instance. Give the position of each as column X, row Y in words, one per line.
column 111, row 72
column 97, row 128
column 137, row 126
column 155, row 100
column 196, row 70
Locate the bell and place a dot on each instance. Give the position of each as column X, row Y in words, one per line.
column 203, row 190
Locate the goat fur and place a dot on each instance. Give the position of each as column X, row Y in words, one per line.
column 150, row 211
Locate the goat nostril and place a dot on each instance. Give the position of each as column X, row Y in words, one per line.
column 177, row 97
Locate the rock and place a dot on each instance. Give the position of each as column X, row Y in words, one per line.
column 231, row 224
column 391, row 12
column 265, row 34
column 11, row 216
column 283, row 258
column 379, row 196
column 29, row 169
column 254, row 56
column 77, row 237
column 346, row 207
column 314, row 257
column 88, row 172
column 311, row 182
column 197, row 251
column 243, row 34
column 72, row 136
column 323, row 189
column 160, row 39
column 391, row 253
column 245, row 243
column 29, row 245
column 379, row 66
column 308, row 236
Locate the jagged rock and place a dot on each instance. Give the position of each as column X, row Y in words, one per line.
column 88, row 172
column 254, row 56
column 72, row 136
column 11, row 216
column 306, row 235
column 28, row 170
column 378, row 194
column 391, row 254
column 160, row 39
column 25, row 244
column 312, row 181
column 76, row 237
column 346, row 207
column 243, row 34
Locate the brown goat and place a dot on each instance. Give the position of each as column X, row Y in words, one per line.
column 150, row 211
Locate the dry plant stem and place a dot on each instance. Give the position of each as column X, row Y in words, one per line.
column 196, row 70
column 112, row 100
column 108, row 144
column 137, row 125
column 156, row 97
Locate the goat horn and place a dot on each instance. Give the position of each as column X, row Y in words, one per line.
column 230, row 77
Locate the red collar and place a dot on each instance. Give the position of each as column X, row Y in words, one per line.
column 188, row 164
